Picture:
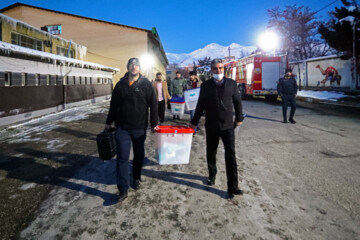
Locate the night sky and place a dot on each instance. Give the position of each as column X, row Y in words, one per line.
column 186, row 25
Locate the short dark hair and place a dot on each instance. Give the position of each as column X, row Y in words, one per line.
column 288, row 70
column 177, row 72
column 192, row 73
column 159, row 73
column 215, row 61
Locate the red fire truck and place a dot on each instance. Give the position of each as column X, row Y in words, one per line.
column 257, row 75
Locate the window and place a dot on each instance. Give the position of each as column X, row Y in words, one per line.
column 63, row 52
column 25, row 41
column 7, row 79
column 37, row 79
column 23, row 79
column 48, row 77
column 53, row 29
column 99, row 80
column 105, row 81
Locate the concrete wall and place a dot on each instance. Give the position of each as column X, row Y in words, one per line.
column 343, row 67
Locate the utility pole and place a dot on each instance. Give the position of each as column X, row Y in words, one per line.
column 229, row 51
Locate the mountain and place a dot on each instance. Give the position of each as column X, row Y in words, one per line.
column 212, row 50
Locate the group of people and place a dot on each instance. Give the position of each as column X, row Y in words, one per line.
column 219, row 97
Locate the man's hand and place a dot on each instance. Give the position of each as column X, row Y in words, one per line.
column 238, row 124
column 107, row 127
column 153, row 130
column 192, row 126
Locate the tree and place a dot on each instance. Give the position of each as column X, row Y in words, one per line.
column 298, row 29
column 204, row 62
column 338, row 32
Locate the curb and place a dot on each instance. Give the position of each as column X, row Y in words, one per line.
column 322, row 101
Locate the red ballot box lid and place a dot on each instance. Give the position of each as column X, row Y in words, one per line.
column 174, row 129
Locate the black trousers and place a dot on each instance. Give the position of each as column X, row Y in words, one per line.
column 161, row 110
column 212, row 142
column 288, row 100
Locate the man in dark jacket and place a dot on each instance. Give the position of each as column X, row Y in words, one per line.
column 132, row 97
column 287, row 89
column 219, row 97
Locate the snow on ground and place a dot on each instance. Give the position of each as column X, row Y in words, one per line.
column 325, row 95
column 21, row 132
column 27, row 186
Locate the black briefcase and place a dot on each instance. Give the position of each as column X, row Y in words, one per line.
column 106, row 144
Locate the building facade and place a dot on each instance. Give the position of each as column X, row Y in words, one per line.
column 36, row 78
column 108, row 43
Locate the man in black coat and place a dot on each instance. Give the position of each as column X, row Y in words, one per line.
column 219, row 96
column 287, row 89
column 132, row 97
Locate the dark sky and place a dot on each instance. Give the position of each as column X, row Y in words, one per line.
column 186, row 25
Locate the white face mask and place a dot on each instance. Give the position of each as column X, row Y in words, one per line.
column 218, row 76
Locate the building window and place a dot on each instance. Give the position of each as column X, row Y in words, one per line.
column 7, row 79
column 25, row 41
column 48, row 77
column 37, row 79
column 99, row 80
column 53, row 29
column 23, row 79
column 63, row 52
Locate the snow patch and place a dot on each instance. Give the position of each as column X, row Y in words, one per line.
column 324, row 95
column 55, row 144
column 27, row 186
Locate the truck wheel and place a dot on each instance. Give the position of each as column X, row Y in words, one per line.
column 271, row 98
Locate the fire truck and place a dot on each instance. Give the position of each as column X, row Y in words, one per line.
column 257, row 75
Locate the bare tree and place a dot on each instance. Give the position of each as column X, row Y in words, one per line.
column 298, row 29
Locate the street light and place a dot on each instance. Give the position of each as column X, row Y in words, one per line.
column 147, row 61
column 268, row 41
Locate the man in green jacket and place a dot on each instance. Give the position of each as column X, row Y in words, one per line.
column 177, row 86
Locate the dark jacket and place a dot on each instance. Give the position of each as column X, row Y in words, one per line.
column 129, row 104
column 287, row 86
column 218, row 112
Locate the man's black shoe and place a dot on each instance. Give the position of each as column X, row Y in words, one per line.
column 178, row 117
column 137, row 184
column 122, row 196
column 236, row 191
column 174, row 117
column 285, row 121
column 210, row 181
column 292, row 120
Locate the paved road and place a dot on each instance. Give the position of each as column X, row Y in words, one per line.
column 301, row 181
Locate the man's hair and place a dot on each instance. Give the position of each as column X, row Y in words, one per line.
column 177, row 72
column 288, row 70
column 215, row 61
column 159, row 73
column 192, row 73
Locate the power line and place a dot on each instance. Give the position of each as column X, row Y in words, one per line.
column 325, row 7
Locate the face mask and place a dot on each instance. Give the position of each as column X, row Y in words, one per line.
column 218, row 76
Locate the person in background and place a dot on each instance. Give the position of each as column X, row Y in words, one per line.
column 162, row 95
column 287, row 89
column 219, row 97
column 177, row 86
column 193, row 82
column 131, row 99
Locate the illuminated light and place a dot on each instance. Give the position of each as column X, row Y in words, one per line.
column 147, row 61
column 268, row 41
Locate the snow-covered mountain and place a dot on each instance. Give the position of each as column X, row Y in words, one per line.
column 212, row 50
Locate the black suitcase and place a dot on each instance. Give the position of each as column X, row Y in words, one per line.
column 106, row 144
